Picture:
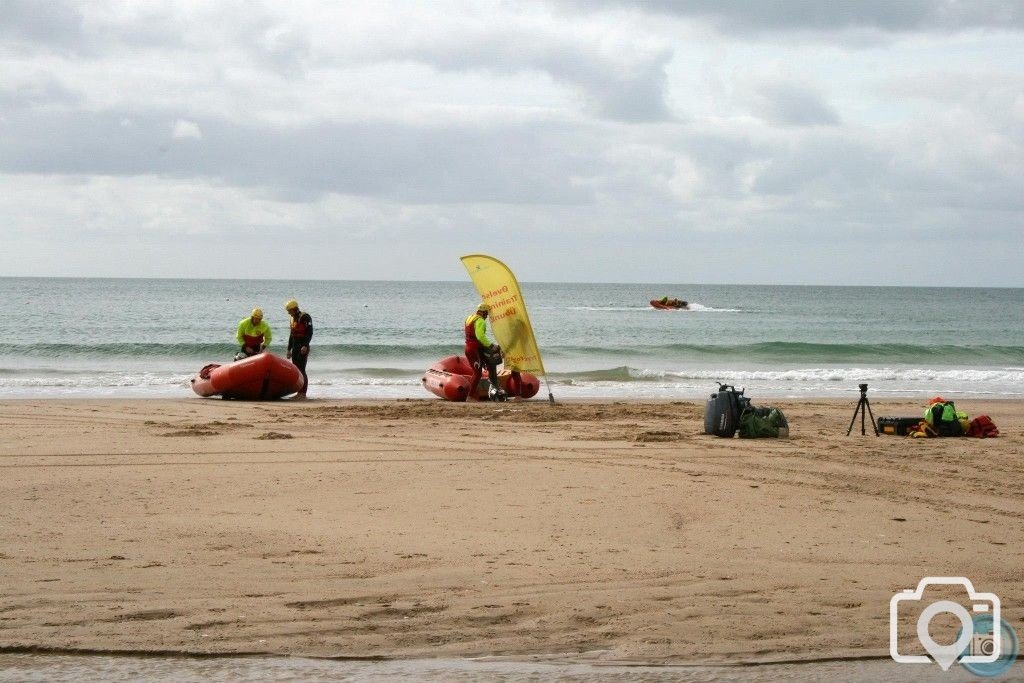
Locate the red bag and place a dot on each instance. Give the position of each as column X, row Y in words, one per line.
column 982, row 427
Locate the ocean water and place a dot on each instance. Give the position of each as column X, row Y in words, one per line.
column 146, row 338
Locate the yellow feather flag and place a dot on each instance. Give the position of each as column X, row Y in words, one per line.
column 498, row 287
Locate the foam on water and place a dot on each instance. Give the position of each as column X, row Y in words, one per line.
column 619, row 382
column 693, row 307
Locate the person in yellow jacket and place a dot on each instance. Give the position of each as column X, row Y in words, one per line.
column 253, row 334
column 482, row 352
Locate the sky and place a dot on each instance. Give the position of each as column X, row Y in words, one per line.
column 670, row 141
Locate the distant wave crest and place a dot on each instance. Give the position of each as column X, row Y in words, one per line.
column 214, row 351
column 763, row 353
column 626, row 374
column 802, row 352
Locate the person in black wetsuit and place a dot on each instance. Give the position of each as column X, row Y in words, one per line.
column 298, row 341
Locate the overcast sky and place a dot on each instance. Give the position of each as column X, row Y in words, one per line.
column 780, row 141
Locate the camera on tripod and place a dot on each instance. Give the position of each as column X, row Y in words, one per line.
column 864, row 408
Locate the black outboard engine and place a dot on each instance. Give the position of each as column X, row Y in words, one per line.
column 722, row 411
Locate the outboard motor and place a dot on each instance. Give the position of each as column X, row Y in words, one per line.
column 722, row 411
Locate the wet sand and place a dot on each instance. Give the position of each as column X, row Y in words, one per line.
column 607, row 531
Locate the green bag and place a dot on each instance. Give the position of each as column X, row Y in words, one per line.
column 762, row 423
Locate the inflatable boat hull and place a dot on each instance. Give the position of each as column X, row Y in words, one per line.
column 450, row 379
column 257, row 378
column 656, row 303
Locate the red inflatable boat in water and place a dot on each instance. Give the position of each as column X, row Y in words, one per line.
column 256, row 378
column 450, row 378
column 670, row 305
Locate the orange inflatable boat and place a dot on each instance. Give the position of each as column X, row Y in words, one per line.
column 450, row 378
column 670, row 305
column 256, row 378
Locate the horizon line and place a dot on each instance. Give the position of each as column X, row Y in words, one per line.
column 535, row 282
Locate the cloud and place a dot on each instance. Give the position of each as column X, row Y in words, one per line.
column 619, row 81
column 89, row 29
column 27, row 24
column 272, row 41
column 532, row 162
column 587, row 142
column 611, row 73
column 43, row 91
column 183, row 129
column 904, row 16
column 789, row 104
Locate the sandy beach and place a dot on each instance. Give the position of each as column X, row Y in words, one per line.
column 417, row 528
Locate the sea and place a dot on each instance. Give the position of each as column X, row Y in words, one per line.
column 142, row 338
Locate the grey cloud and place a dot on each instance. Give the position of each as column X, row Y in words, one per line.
column 85, row 29
column 27, row 23
column 629, row 88
column 281, row 47
column 884, row 179
column 794, row 105
column 635, row 100
column 740, row 16
column 720, row 157
column 527, row 163
column 793, row 185
column 830, row 164
column 271, row 41
column 44, row 92
column 995, row 92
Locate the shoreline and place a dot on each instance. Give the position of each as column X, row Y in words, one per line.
column 538, row 399
column 415, row 392
column 411, row 528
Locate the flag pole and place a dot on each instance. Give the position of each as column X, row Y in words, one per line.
column 551, row 397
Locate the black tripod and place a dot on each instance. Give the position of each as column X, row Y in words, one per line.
column 863, row 406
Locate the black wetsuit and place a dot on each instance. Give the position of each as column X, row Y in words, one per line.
column 301, row 335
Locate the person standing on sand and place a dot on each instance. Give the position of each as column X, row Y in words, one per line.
column 298, row 340
column 481, row 351
column 253, row 334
